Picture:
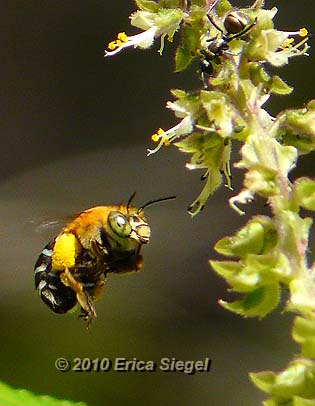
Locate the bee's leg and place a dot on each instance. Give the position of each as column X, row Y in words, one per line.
column 137, row 260
column 138, row 263
column 99, row 287
column 83, row 299
column 86, row 317
column 132, row 264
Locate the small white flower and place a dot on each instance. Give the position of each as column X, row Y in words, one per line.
column 244, row 197
column 143, row 40
column 165, row 138
column 279, row 46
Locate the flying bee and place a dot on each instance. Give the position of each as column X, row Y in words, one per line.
column 236, row 25
column 73, row 267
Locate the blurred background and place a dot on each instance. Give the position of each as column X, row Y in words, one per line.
column 75, row 129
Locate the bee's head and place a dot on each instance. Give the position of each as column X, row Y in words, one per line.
column 128, row 225
column 131, row 223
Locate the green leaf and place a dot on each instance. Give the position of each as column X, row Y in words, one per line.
column 187, row 103
column 254, row 272
column 302, row 119
column 257, row 237
column 266, row 160
column 186, row 52
column 303, row 329
column 200, row 3
column 223, row 6
column 170, row 4
column 147, row 5
column 225, row 76
column 298, row 401
column 19, row 397
column 271, row 402
column 272, row 267
column 257, row 303
column 217, row 105
column 304, row 189
column 303, row 142
column 214, row 180
column 296, row 382
column 202, row 144
column 263, row 380
column 190, row 40
column 278, row 86
column 240, row 279
column 179, row 94
column 258, row 74
column 295, row 232
column 303, row 332
column 225, row 268
column 210, row 152
column 169, row 20
column 297, row 128
column 266, row 154
column 297, row 379
column 302, row 295
column 262, row 180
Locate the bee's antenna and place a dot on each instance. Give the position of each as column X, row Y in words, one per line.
column 154, row 201
column 130, row 200
column 211, row 4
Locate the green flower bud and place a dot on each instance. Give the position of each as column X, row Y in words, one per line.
column 304, row 192
column 297, row 128
column 257, row 237
column 147, row 5
column 262, row 182
column 303, row 332
column 257, row 303
column 297, row 379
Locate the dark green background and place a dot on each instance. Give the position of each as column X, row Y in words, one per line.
column 75, row 129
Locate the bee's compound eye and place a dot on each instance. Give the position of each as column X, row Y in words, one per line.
column 119, row 224
column 235, row 22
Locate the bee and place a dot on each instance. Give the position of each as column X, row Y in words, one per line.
column 236, row 25
column 72, row 268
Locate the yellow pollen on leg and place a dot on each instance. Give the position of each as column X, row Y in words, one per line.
column 65, row 252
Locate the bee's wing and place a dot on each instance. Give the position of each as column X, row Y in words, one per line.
column 47, row 225
column 42, row 224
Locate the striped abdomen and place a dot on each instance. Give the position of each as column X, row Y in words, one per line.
column 53, row 292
